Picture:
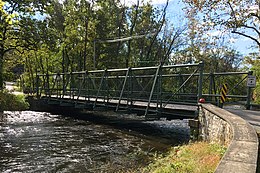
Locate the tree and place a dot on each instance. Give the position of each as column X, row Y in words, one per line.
column 241, row 17
column 253, row 61
column 11, row 34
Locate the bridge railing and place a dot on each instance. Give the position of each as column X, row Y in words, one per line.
column 237, row 90
column 159, row 86
column 155, row 87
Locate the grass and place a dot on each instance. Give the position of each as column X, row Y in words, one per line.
column 199, row 157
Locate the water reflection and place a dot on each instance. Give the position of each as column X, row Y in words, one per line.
column 42, row 142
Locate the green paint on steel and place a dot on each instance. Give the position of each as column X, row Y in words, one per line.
column 154, row 89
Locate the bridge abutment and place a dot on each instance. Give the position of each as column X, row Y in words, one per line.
column 220, row 126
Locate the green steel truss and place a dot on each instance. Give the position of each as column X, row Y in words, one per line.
column 152, row 89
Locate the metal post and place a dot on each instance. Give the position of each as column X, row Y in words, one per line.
column 151, row 93
column 200, row 80
column 70, row 85
column 248, row 100
column 211, row 76
column 48, row 85
column 130, row 88
column 94, row 54
column 37, row 86
column 159, row 94
column 107, row 90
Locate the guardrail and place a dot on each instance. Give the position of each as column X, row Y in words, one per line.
column 160, row 85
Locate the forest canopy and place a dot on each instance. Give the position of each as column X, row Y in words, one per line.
column 50, row 36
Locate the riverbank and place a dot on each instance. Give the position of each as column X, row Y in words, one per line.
column 198, row 157
column 181, row 156
column 11, row 102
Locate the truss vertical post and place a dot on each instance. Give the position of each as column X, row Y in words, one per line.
column 70, row 80
column 211, row 83
column 123, row 88
column 85, row 89
column 107, row 89
column 159, row 94
column 48, row 85
column 248, row 100
column 200, row 80
column 152, row 90
column 37, row 86
column 88, row 86
column 130, row 89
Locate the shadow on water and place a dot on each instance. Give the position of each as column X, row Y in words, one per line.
column 82, row 142
column 172, row 132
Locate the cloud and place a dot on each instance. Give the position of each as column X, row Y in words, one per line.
column 232, row 40
column 214, row 33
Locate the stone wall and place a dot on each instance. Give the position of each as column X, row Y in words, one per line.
column 220, row 126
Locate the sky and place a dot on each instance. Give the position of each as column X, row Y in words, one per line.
column 176, row 14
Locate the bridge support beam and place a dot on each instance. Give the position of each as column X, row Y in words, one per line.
column 200, row 80
column 248, row 99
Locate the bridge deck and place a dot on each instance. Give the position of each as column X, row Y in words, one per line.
column 169, row 111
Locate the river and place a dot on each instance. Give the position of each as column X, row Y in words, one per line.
column 44, row 142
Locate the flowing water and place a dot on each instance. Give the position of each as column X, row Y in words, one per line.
column 43, row 142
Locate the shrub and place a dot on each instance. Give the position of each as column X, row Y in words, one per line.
column 10, row 102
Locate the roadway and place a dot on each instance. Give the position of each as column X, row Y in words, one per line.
column 253, row 117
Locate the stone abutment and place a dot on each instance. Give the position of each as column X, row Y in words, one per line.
column 220, row 126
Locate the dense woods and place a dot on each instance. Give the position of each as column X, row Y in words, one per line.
column 47, row 36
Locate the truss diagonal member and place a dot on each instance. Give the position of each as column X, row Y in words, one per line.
column 183, row 84
column 143, row 88
column 152, row 90
column 57, row 76
column 81, row 86
column 123, row 88
column 100, row 87
column 229, row 91
column 66, row 83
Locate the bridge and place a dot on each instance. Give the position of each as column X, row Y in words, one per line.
column 170, row 91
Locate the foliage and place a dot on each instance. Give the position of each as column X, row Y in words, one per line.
column 240, row 17
column 64, row 36
column 12, row 102
column 254, row 61
column 197, row 157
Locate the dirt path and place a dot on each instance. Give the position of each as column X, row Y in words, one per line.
column 10, row 86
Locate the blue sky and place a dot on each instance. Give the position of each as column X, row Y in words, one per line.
column 176, row 15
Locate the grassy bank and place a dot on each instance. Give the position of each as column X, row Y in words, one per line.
column 11, row 102
column 197, row 157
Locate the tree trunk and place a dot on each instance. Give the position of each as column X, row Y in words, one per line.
column 1, row 68
column 1, row 73
column 85, row 44
column 131, row 34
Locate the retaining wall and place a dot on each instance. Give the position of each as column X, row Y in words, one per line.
column 220, row 126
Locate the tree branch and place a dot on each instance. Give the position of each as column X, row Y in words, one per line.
column 253, row 28
column 255, row 15
column 243, row 25
column 247, row 36
column 159, row 29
